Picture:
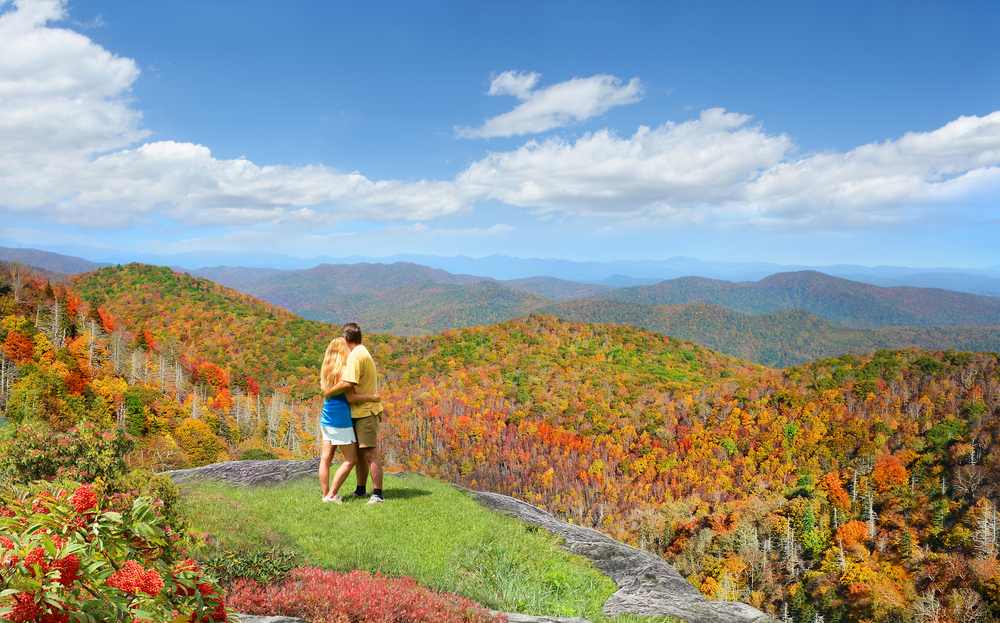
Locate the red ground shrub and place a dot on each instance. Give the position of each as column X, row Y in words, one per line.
column 322, row 596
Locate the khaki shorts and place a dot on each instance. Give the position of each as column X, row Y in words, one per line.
column 366, row 429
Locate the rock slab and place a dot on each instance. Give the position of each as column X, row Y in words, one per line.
column 248, row 472
column 647, row 584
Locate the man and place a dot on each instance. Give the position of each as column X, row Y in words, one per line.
column 361, row 374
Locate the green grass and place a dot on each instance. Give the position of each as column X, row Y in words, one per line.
column 427, row 530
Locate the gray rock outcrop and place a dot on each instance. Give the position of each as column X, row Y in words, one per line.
column 647, row 584
column 248, row 472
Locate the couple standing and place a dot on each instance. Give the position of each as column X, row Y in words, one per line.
column 352, row 412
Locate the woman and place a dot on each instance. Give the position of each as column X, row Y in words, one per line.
column 336, row 422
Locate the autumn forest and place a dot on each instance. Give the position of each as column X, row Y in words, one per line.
column 851, row 488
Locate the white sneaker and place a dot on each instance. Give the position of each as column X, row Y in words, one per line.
column 375, row 499
column 335, row 499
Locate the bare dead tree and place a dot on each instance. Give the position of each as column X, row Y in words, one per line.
column 18, row 274
column 967, row 479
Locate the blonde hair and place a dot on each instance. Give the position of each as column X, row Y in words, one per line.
column 333, row 363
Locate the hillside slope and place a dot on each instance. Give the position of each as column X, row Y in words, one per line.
column 779, row 339
column 558, row 289
column 200, row 320
column 848, row 303
column 371, row 295
column 311, row 286
column 400, row 298
column 875, row 476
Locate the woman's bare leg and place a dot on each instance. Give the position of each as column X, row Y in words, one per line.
column 324, row 467
column 350, row 460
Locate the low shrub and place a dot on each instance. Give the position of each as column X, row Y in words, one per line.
column 263, row 567
column 323, row 596
column 257, row 454
column 83, row 454
column 120, row 495
column 62, row 557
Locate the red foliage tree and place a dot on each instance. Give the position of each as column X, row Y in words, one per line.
column 19, row 347
column 889, row 471
column 835, row 490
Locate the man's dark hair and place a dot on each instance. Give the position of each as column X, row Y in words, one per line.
column 352, row 332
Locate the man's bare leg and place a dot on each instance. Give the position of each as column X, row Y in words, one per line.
column 374, row 466
column 362, row 469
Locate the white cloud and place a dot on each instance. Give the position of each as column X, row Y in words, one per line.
column 697, row 161
column 883, row 182
column 555, row 106
column 514, row 83
column 70, row 155
column 61, row 98
column 66, row 123
column 721, row 170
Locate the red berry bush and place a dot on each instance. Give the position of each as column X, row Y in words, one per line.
column 63, row 559
column 84, row 454
column 321, row 596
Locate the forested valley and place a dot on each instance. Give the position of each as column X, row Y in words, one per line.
column 853, row 488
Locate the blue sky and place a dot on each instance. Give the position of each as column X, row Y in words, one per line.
column 789, row 132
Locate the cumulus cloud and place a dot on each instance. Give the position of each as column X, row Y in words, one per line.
column 721, row 169
column 514, row 83
column 552, row 107
column 67, row 122
column 71, row 155
column 63, row 98
column 872, row 181
column 697, row 161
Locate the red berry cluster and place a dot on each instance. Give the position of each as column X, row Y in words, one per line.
column 25, row 608
column 151, row 583
column 8, row 546
column 84, row 499
column 39, row 507
column 68, row 567
column 206, row 616
column 131, row 578
column 190, row 567
column 37, row 558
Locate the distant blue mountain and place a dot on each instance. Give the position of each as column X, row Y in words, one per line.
column 621, row 273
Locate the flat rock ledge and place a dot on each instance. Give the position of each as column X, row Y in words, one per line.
column 647, row 584
column 248, row 472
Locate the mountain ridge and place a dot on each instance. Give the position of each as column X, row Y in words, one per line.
column 507, row 267
column 849, row 303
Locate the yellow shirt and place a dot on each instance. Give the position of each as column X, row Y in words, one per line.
column 360, row 370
